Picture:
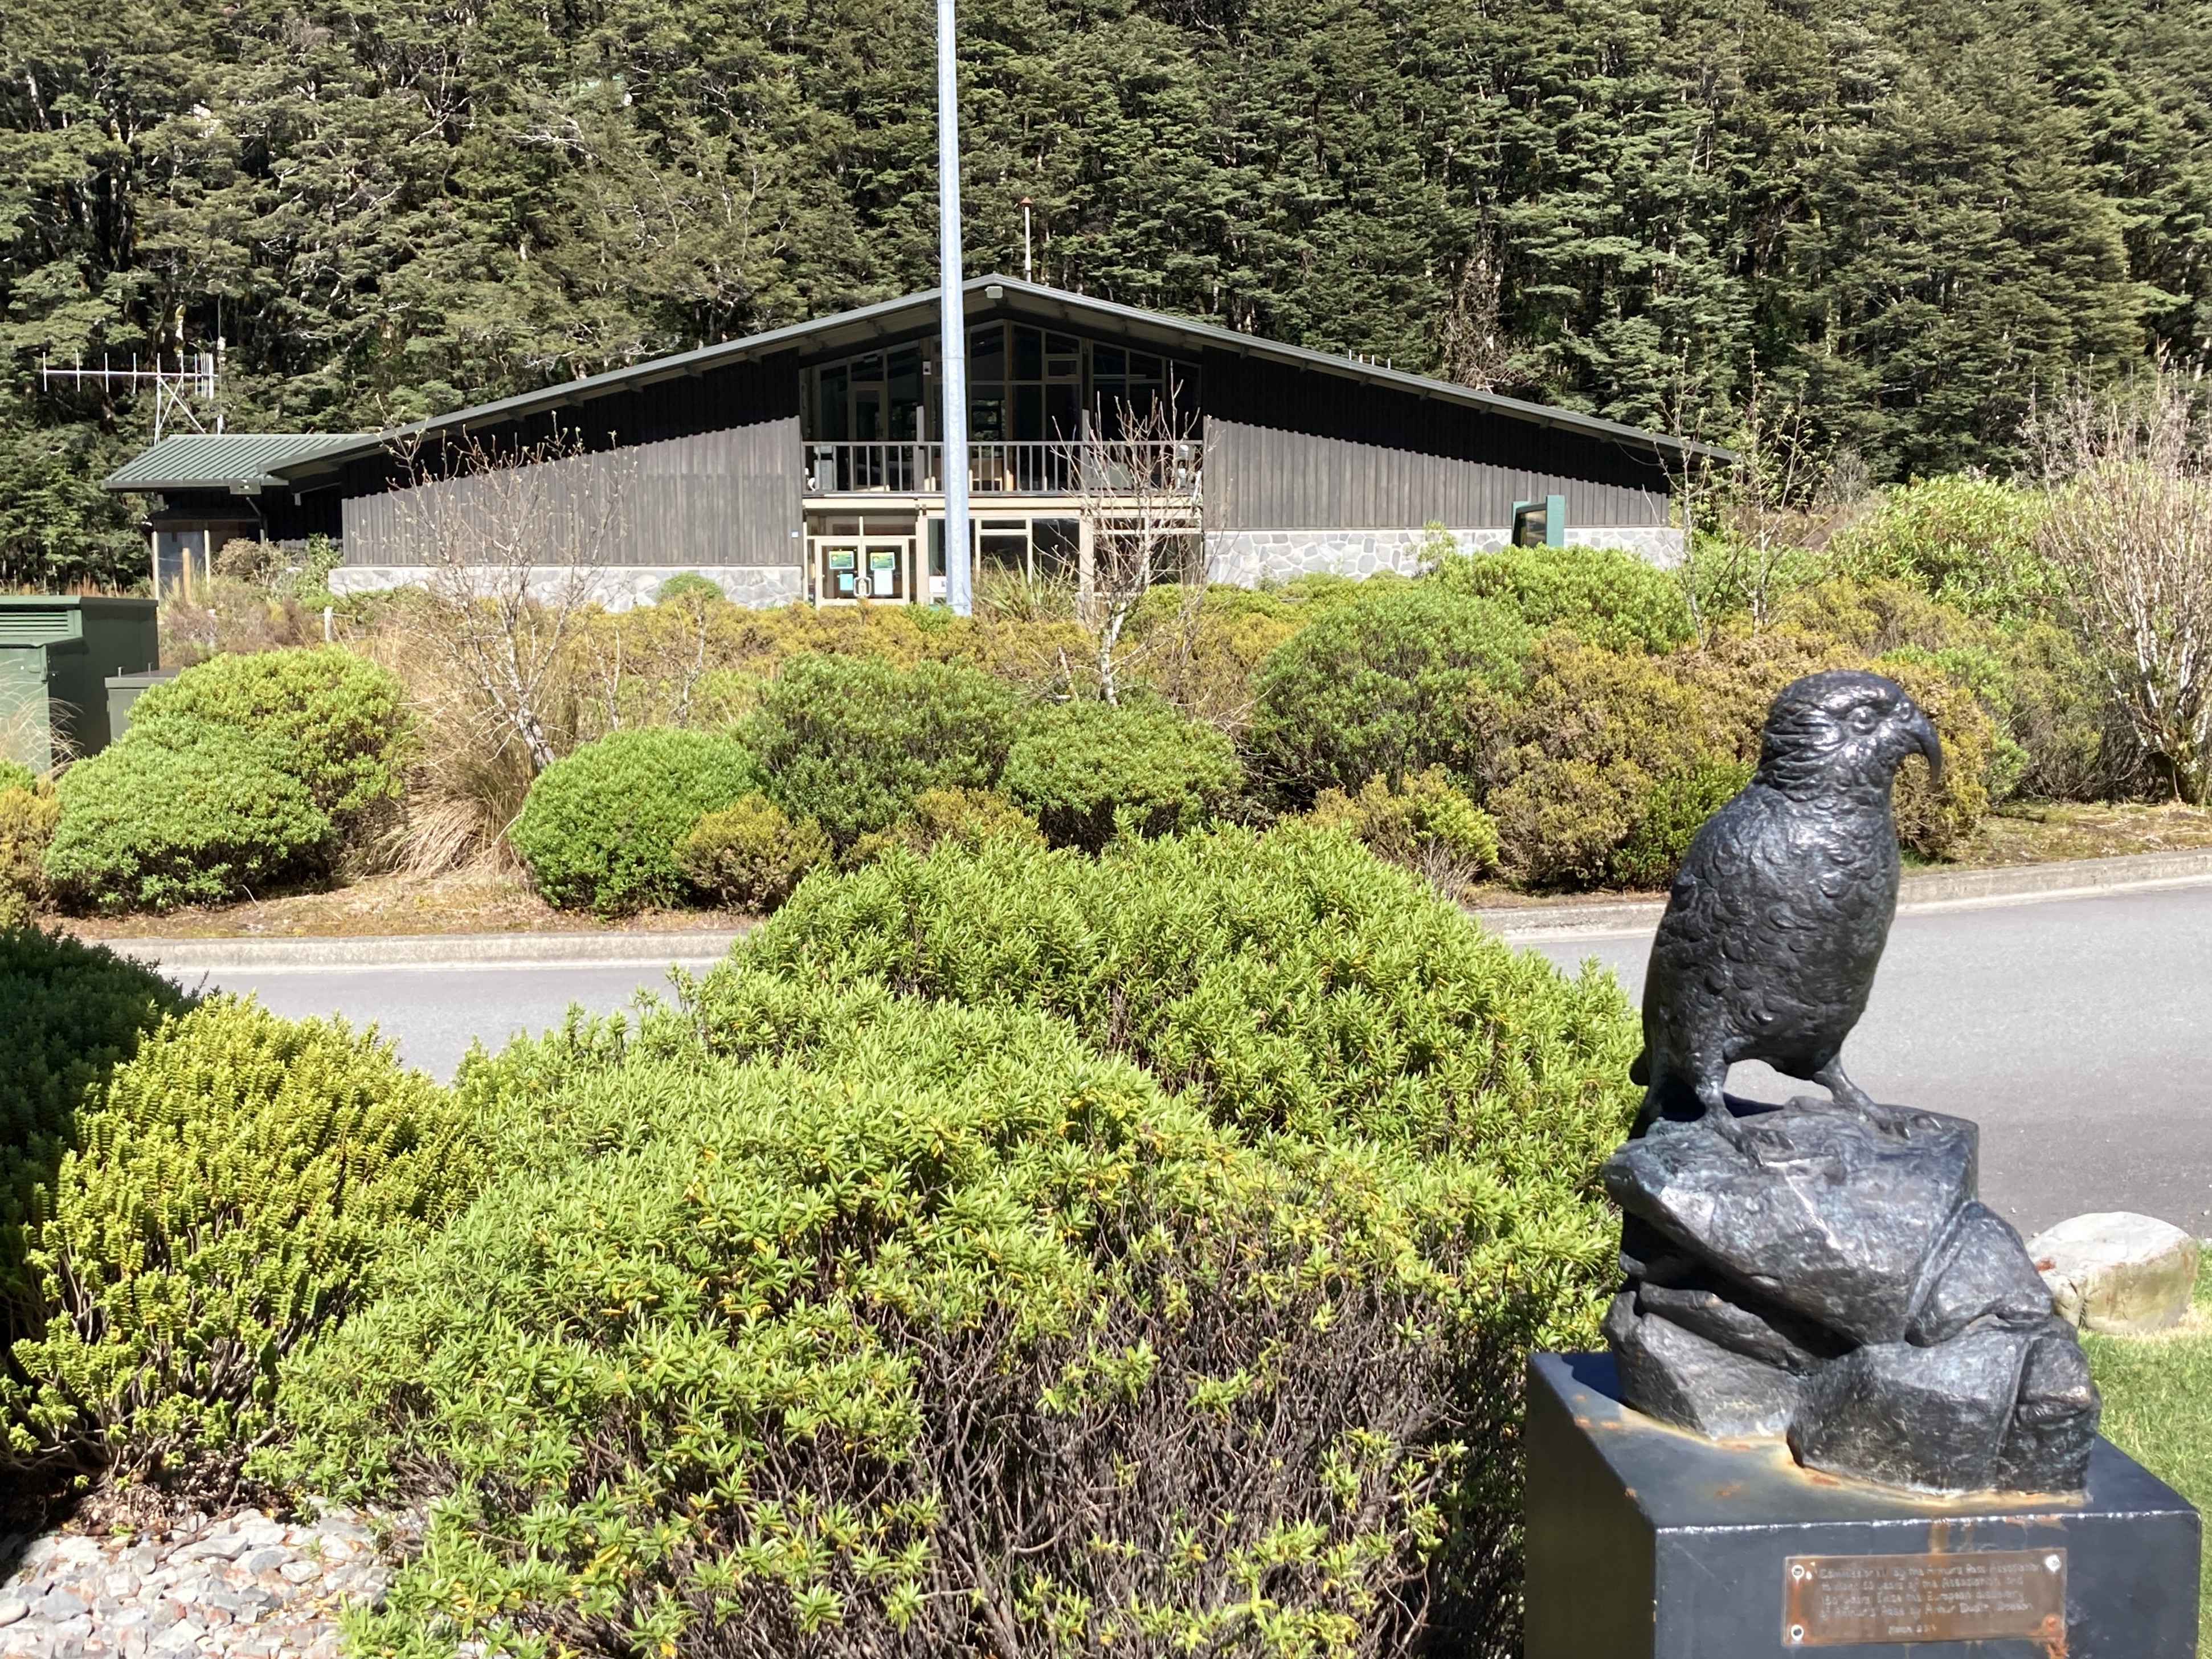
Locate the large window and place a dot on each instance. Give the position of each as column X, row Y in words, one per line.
column 877, row 399
column 1128, row 385
column 1032, row 545
column 1024, row 385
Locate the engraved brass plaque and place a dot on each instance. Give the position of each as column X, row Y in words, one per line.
column 1975, row 1595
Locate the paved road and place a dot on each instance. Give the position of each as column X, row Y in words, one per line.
column 2075, row 1030
column 435, row 1014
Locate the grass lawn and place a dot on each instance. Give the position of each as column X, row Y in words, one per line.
column 2158, row 1404
column 2040, row 833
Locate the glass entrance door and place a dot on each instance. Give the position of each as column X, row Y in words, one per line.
column 837, row 571
column 887, row 574
column 870, row 568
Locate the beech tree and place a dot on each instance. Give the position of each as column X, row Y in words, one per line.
column 1909, row 218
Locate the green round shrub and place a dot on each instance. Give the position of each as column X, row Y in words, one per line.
column 599, row 829
column 850, row 741
column 191, row 813
column 1292, row 979
column 1966, row 541
column 1089, row 769
column 1380, row 686
column 688, row 585
column 1013, row 1239
column 229, row 1199
column 1224, row 1177
column 1609, row 597
column 344, row 717
column 749, row 854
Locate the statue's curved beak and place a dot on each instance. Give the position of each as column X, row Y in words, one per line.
column 1921, row 731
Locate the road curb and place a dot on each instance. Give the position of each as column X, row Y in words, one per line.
column 431, row 950
column 1923, row 890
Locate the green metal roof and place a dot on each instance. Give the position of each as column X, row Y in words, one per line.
column 236, row 461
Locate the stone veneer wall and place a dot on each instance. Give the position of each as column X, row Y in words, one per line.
column 1249, row 557
column 1245, row 557
column 617, row 586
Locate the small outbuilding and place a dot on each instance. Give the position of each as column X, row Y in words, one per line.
column 806, row 462
column 57, row 652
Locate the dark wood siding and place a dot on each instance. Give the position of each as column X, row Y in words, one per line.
column 1290, row 448
column 726, row 497
column 273, row 511
column 683, row 406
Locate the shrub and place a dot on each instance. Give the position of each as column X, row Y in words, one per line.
column 1667, row 816
column 191, row 813
column 231, row 1198
column 849, row 741
column 1290, row 978
column 27, row 816
column 1606, row 765
column 344, row 717
column 1605, row 596
column 2049, row 700
column 14, row 774
column 1379, row 686
column 1966, row 541
column 688, row 585
column 1597, row 743
column 599, row 827
column 874, row 1304
column 70, row 1012
column 965, row 817
column 1424, row 824
column 749, row 854
column 1203, row 660
column 1089, row 770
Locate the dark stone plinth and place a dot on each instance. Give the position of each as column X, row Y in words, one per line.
column 1646, row 1541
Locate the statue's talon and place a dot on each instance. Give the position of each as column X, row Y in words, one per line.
column 1728, row 1127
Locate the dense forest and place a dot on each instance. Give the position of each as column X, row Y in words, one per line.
column 1901, row 220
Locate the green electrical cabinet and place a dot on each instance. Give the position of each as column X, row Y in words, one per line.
column 56, row 652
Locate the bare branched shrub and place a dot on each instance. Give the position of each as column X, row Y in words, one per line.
column 1763, row 504
column 2129, row 475
column 491, row 646
column 514, row 540
column 1140, row 493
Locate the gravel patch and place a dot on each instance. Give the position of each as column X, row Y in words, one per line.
column 244, row 1586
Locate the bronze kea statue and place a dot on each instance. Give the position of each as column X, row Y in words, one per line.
column 1783, row 901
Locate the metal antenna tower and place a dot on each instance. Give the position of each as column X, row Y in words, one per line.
column 187, row 396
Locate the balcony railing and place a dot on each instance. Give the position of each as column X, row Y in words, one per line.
column 1096, row 467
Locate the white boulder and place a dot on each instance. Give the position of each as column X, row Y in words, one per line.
column 2116, row 1272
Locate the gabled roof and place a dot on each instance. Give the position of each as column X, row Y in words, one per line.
column 239, row 461
column 984, row 298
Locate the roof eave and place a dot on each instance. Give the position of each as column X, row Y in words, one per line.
column 873, row 321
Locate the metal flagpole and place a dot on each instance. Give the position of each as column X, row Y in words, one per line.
column 953, row 321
